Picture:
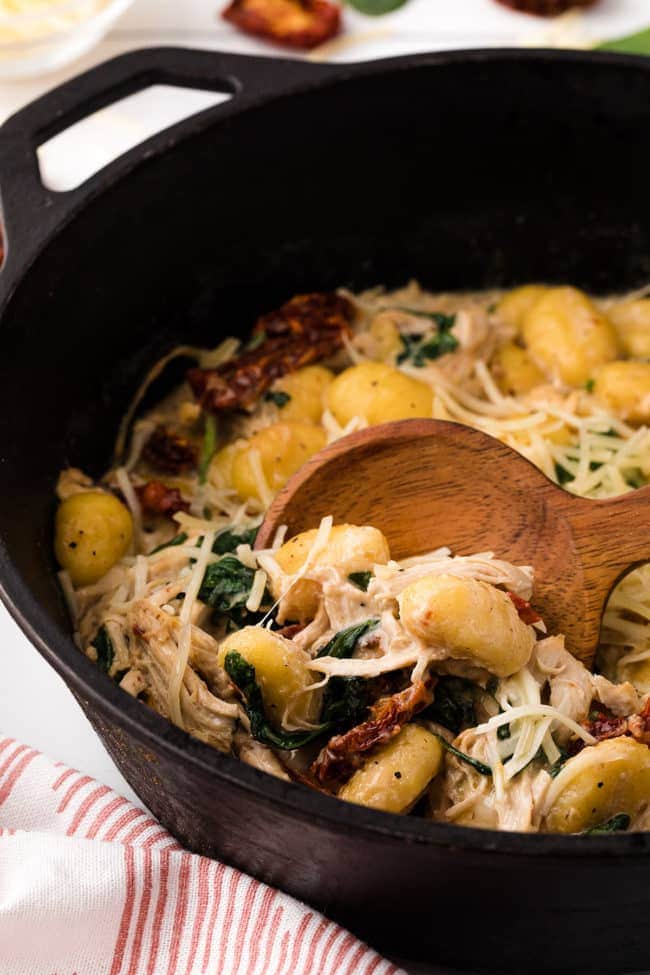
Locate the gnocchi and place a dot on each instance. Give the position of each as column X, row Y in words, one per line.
column 306, row 391
column 93, row 530
column 632, row 322
column 378, row 393
column 396, row 775
column 349, row 548
column 282, row 673
column 598, row 783
column 515, row 371
column 515, row 304
column 467, row 620
column 568, row 337
column 221, row 465
column 264, row 465
column 624, row 388
column 385, row 336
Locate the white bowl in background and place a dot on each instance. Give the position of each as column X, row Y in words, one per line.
column 52, row 33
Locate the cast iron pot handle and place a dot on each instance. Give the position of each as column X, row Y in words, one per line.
column 31, row 212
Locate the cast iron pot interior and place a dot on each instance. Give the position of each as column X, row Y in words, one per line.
column 464, row 170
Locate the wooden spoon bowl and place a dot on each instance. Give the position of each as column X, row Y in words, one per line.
column 428, row 483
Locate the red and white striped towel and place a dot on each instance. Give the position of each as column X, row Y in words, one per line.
column 92, row 885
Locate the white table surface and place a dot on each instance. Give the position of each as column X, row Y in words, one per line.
column 51, row 720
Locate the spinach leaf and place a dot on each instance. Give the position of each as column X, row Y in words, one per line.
column 444, row 322
column 228, row 540
column 177, row 540
column 480, row 767
column 345, row 698
column 278, row 397
column 375, row 8
column 242, row 674
column 226, row 584
column 419, row 348
column 557, row 766
column 342, row 645
column 453, row 704
column 589, row 385
column 105, row 649
column 635, row 479
column 361, row 580
column 345, row 701
column 563, row 475
column 209, row 446
column 617, row 824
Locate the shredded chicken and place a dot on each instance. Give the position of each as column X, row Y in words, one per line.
column 205, row 716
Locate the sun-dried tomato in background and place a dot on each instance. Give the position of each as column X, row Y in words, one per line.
column 545, row 8
column 295, row 23
column 169, row 452
column 304, row 330
column 158, row 499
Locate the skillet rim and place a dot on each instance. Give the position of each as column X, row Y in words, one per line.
column 86, row 680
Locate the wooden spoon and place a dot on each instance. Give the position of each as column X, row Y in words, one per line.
column 428, row 483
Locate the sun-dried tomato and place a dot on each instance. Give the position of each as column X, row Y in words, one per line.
column 638, row 725
column 545, row 8
column 291, row 630
column 602, row 724
column 158, row 499
column 526, row 612
column 304, row 330
column 345, row 753
column 169, row 452
column 295, row 23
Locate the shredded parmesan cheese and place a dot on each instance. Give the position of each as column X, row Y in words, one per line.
column 131, row 498
column 185, row 635
column 532, row 711
column 257, row 591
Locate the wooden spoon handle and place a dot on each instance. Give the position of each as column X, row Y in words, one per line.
column 612, row 536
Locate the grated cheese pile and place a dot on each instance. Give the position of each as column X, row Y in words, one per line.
column 28, row 20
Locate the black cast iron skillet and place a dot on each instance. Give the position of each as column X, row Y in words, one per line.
column 465, row 170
